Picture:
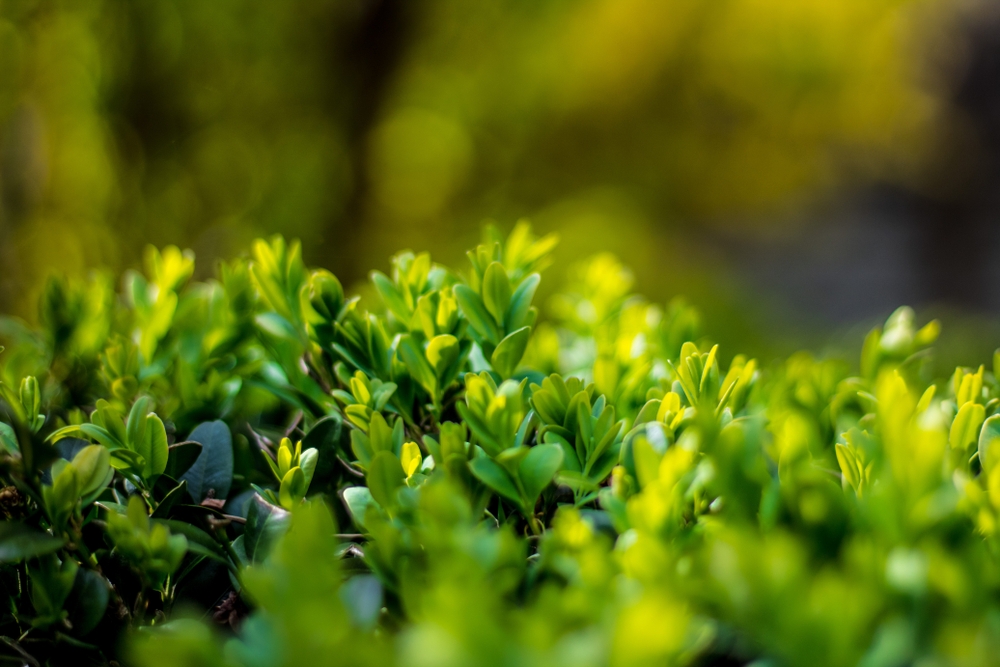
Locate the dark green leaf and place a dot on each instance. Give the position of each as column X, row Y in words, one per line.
column 265, row 524
column 174, row 496
column 213, row 469
column 8, row 439
column 180, row 457
column 87, row 601
column 198, row 540
column 19, row 541
column 325, row 437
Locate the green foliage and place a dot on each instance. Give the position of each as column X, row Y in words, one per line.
column 443, row 480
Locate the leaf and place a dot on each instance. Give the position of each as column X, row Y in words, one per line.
column 385, row 475
column 495, row 477
column 442, row 351
column 180, row 457
column 538, row 468
column 198, row 541
column 381, row 436
column 518, row 314
column 92, row 465
column 87, row 601
column 965, row 428
column 265, row 524
column 152, row 447
column 293, row 488
column 135, row 427
column 357, row 499
column 19, row 541
column 410, row 353
column 496, row 291
column 410, row 458
column 213, row 469
column 390, row 296
column 509, row 352
column 647, row 461
column 848, row 465
column 8, row 439
column 70, row 447
column 307, row 461
column 116, row 508
column 988, row 451
column 362, row 596
column 174, row 496
column 479, row 318
column 325, row 437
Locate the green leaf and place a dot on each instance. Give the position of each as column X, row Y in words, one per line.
column 293, row 488
column 383, row 438
column 87, row 601
column 442, row 351
column 385, row 475
column 92, row 463
column 325, row 437
column 265, row 524
column 198, row 540
column 989, row 452
column 8, row 439
column 361, row 446
column 135, row 427
column 357, row 499
column 538, row 468
column 509, row 352
column 308, row 461
column 647, row 461
column 475, row 312
column 19, row 541
column 110, row 419
column 496, row 291
column 413, row 357
column 213, row 469
column 518, row 314
column 391, row 297
column 495, row 477
column 180, row 457
column 174, row 496
column 152, row 447
column 965, row 428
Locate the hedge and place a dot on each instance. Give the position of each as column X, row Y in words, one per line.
column 258, row 470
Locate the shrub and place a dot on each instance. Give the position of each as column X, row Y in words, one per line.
column 257, row 470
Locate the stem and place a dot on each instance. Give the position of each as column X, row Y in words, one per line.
column 221, row 539
column 139, row 611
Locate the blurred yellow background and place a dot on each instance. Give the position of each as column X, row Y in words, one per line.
column 678, row 134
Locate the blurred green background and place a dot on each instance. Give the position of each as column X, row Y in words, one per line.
column 792, row 166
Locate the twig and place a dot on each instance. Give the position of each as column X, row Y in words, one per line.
column 27, row 657
column 351, row 469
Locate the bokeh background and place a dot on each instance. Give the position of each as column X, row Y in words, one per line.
column 796, row 168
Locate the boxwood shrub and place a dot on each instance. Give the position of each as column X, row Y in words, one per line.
column 260, row 470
